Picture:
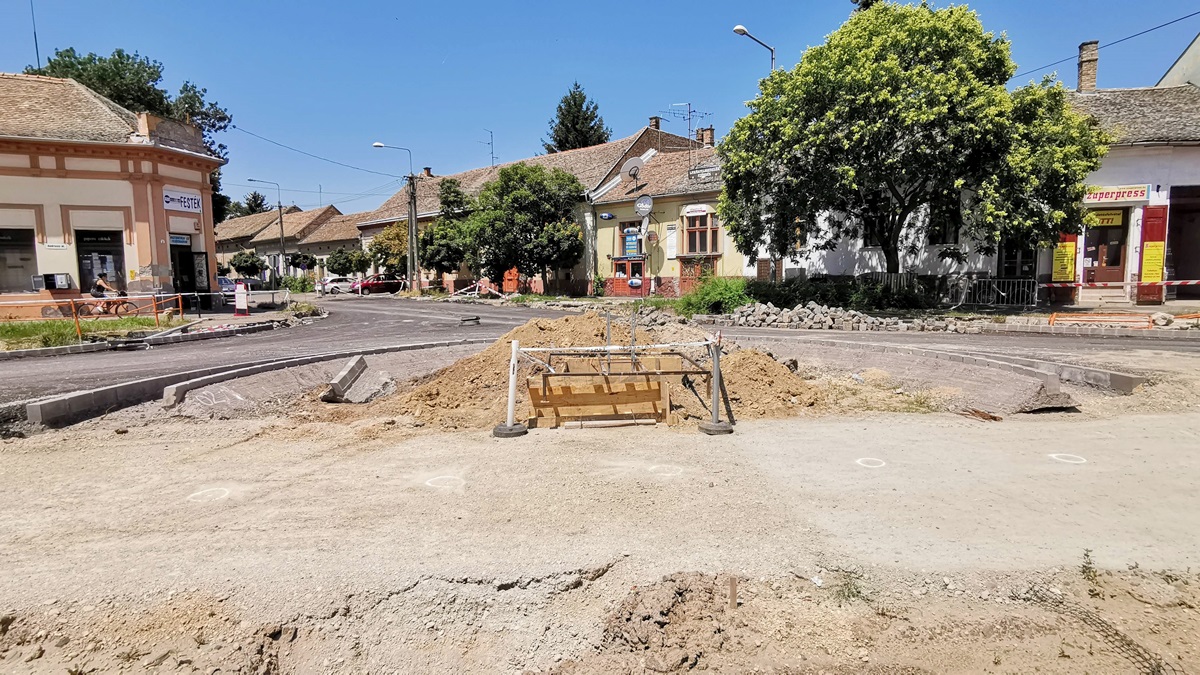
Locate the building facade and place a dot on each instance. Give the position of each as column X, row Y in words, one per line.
column 87, row 187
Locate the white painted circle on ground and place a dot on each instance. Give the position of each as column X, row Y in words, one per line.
column 209, row 495
column 446, row 482
column 1069, row 459
column 665, row 470
column 871, row 463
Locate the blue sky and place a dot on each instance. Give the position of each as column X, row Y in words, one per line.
column 332, row 77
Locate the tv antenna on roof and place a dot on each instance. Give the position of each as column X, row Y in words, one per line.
column 691, row 115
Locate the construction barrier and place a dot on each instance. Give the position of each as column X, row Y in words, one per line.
column 1120, row 284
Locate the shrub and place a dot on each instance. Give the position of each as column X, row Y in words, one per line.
column 849, row 293
column 303, row 309
column 715, row 295
column 298, row 284
column 598, row 286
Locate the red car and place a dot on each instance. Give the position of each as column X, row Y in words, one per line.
column 379, row 283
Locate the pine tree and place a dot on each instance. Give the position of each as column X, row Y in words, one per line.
column 577, row 123
column 863, row 5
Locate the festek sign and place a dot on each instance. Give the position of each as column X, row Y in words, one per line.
column 178, row 200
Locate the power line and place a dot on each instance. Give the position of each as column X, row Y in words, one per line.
column 372, row 192
column 309, row 154
column 1110, row 44
column 314, row 192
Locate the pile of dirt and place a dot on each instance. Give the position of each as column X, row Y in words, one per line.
column 758, row 385
column 473, row 393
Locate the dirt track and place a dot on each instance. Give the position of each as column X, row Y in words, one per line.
column 447, row 552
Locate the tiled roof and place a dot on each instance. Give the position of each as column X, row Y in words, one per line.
column 337, row 228
column 1147, row 115
column 33, row 106
column 248, row 226
column 670, row 174
column 297, row 224
column 592, row 166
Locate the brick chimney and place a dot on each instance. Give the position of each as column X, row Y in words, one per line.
column 655, row 122
column 427, row 172
column 1089, row 55
column 708, row 137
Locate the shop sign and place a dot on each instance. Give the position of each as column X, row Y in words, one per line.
column 181, row 240
column 177, row 200
column 57, row 246
column 1118, row 193
column 97, row 238
column 1153, row 254
column 696, row 210
column 652, row 238
column 644, row 205
column 1064, row 262
column 1109, row 217
column 631, row 245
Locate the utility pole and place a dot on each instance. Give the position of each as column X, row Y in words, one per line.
column 414, row 270
column 491, row 143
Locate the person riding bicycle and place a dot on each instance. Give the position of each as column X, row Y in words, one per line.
column 100, row 288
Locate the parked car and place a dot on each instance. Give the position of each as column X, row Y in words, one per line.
column 379, row 283
column 228, row 285
column 335, row 285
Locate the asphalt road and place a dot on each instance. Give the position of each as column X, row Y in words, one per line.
column 379, row 321
column 353, row 323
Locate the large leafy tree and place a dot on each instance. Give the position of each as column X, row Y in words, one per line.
column 134, row 82
column 443, row 245
column 254, row 202
column 525, row 219
column 389, row 248
column 302, row 261
column 352, row 261
column 900, row 121
column 577, row 123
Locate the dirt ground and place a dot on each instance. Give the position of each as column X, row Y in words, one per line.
column 275, row 538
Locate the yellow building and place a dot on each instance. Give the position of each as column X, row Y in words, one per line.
column 88, row 187
column 678, row 241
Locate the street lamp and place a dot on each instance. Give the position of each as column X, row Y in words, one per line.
column 413, row 266
column 741, row 30
column 279, row 203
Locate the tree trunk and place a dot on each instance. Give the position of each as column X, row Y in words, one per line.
column 545, row 283
column 891, row 255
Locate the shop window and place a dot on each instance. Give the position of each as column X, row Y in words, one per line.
column 703, row 235
column 629, row 242
column 628, row 269
column 100, row 251
column 18, row 260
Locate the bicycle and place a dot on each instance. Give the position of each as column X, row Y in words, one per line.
column 117, row 307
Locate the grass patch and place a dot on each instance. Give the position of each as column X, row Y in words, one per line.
column 61, row 332
column 658, row 303
column 301, row 310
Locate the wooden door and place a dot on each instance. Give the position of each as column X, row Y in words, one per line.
column 1104, row 249
column 692, row 271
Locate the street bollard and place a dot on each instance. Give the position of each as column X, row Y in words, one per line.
column 511, row 429
column 715, row 427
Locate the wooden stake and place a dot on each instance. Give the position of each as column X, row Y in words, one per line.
column 732, row 594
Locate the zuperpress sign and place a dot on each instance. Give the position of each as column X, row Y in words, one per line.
column 1118, row 193
column 177, row 200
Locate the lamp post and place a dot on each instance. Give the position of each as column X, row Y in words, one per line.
column 414, row 269
column 278, row 203
column 741, row 30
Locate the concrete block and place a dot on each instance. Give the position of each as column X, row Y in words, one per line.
column 349, row 374
column 48, row 411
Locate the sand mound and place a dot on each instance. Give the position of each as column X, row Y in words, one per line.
column 473, row 393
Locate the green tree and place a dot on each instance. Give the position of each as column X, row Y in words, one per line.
column 577, row 123
column 133, row 81
column 302, row 261
column 247, row 263
column 353, row 261
column 254, row 202
column 525, row 219
column 899, row 120
column 443, row 245
column 389, row 248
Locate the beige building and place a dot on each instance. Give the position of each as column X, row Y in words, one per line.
column 296, row 226
column 337, row 232
column 234, row 235
column 89, row 187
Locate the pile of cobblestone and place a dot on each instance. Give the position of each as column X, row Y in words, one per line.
column 822, row 317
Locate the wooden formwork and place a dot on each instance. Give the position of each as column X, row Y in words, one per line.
column 580, row 390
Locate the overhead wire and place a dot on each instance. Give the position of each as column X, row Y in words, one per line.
column 309, row 154
column 1109, row 44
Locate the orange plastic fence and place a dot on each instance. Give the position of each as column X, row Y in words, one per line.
column 90, row 309
column 1138, row 321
